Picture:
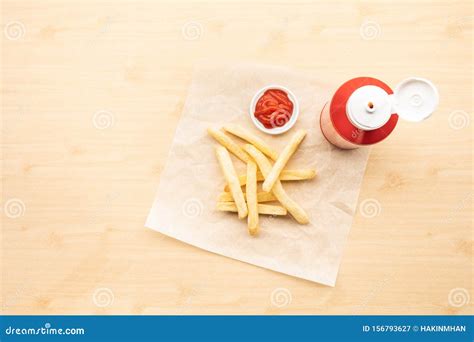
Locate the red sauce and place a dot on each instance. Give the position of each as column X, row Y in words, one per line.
column 274, row 108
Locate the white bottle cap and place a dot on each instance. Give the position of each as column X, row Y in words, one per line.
column 415, row 99
column 370, row 107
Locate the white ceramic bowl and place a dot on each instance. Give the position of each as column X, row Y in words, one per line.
column 276, row 130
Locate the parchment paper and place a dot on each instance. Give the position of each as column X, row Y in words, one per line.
column 184, row 207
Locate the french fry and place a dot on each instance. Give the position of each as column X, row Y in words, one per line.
column 230, row 176
column 263, row 209
column 228, row 143
column 264, row 165
column 280, row 163
column 261, row 197
column 253, row 139
column 296, row 175
column 251, row 195
column 285, row 175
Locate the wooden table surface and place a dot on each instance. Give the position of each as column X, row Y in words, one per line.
column 92, row 92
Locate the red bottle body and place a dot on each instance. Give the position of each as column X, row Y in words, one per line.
column 338, row 128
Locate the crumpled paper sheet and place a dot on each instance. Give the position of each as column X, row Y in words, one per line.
column 184, row 207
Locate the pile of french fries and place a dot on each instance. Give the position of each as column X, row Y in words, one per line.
column 256, row 154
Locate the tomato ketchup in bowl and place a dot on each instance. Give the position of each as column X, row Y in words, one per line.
column 274, row 109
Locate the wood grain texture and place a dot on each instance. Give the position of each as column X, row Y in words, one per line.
column 124, row 66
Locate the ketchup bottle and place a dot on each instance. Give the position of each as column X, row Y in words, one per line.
column 365, row 110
